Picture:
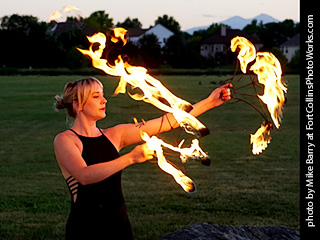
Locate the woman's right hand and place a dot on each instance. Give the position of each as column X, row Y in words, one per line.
column 141, row 153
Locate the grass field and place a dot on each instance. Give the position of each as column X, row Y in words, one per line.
column 238, row 188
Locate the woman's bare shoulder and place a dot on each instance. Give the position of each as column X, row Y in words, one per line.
column 66, row 137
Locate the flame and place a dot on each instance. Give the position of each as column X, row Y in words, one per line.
column 153, row 92
column 247, row 51
column 152, row 89
column 119, row 33
column 268, row 69
column 156, row 144
column 261, row 138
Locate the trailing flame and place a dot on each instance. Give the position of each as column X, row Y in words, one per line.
column 268, row 69
column 156, row 144
column 152, row 89
column 247, row 51
column 119, row 33
column 261, row 138
column 153, row 92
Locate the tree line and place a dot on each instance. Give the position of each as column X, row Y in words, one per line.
column 27, row 42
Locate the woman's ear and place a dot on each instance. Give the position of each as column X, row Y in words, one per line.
column 76, row 106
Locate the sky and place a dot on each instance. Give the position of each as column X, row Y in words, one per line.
column 189, row 13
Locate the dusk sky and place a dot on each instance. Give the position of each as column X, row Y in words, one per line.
column 189, row 13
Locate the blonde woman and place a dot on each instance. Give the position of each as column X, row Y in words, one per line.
column 90, row 162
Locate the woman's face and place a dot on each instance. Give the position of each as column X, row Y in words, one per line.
column 95, row 106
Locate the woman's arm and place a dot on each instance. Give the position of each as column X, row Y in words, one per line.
column 68, row 155
column 127, row 134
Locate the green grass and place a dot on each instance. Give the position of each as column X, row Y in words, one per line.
column 238, row 188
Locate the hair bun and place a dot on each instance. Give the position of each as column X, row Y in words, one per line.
column 59, row 104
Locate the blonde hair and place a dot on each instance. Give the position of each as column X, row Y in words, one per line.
column 77, row 91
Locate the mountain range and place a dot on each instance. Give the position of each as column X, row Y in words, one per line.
column 238, row 22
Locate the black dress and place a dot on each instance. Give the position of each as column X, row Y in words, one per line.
column 99, row 211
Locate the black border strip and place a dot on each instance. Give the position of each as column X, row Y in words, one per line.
column 309, row 157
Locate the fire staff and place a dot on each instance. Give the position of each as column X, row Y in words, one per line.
column 90, row 162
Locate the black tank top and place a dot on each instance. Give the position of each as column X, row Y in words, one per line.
column 99, row 211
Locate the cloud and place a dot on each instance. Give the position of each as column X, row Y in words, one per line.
column 208, row 15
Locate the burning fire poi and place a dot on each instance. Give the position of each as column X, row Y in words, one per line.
column 266, row 66
column 152, row 92
column 268, row 69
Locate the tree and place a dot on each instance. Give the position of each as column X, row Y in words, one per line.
column 22, row 41
column 273, row 34
column 128, row 23
column 100, row 21
column 150, row 50
column 279, row 55
column 253, row 28
column 169, row 22
column 294, row 64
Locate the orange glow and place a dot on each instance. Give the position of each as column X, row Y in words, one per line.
column 247, row 51
column 260, row 139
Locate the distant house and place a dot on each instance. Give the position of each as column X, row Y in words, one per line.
column 161, row 32
column 289, row 47
column 217, row 46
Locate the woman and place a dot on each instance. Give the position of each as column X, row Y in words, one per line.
column 90, row 162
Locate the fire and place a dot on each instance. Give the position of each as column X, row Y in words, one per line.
column 119, row 33
column 156, row 144
column 247, row 51
column 152, row 89
column 268, row 69
column 261, row 138
column 153, row 92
